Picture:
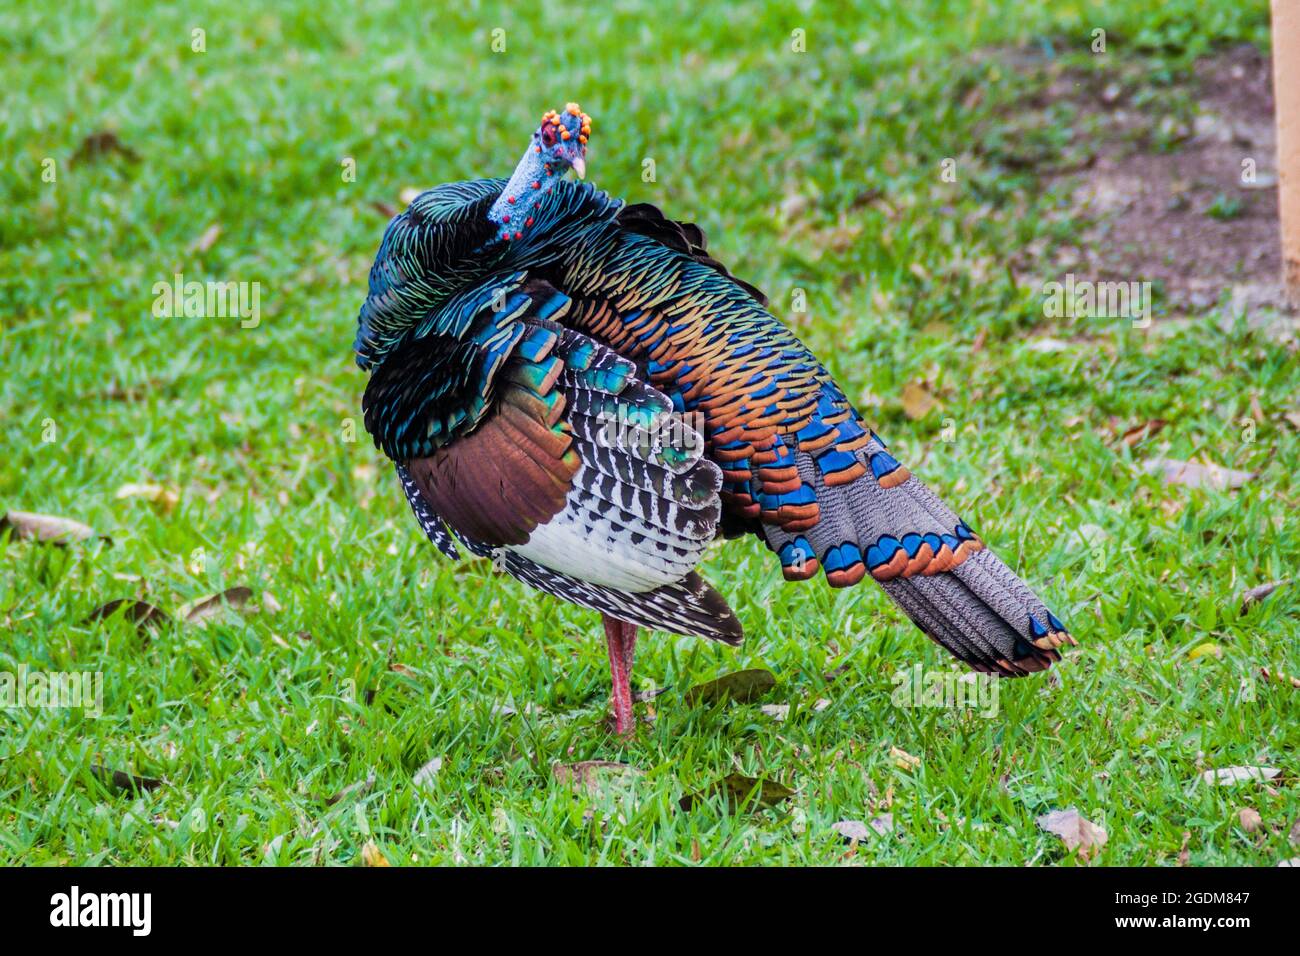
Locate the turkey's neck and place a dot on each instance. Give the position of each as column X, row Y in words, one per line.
column 531, row 181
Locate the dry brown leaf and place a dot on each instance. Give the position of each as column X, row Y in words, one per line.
column 121, row 780
column 1140, row 433
column 205, row 609
column 509, row 710
column 206, row 241
column 47, row 529
column 1195, row 475
column 596, row 777
column 1257, row 594
column 140, row 613
column 101, row 143
column 1229, row 775
column 1049, row 345
column 426, row 775
column 1249, row 819
column 882, row 825
column 917, row 401
column 1075, row 832
column 739, row 686
column 358, row 789
column 903, row 760
column 736, row 789
column 1280, row 677
column 851, row 830
column 372, row 856
column 385, row 209
column 832, row 674
column 793, row 205
column 157, row 494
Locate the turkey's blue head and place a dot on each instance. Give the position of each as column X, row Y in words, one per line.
column 561, row 141
column 558, row 145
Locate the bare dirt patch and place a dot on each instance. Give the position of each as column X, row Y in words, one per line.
column 1178, row 183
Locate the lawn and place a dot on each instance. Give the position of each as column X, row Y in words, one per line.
column 372, row 701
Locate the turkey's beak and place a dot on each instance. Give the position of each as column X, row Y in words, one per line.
column 579, row 166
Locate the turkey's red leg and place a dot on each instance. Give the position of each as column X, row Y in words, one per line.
column 620, row 638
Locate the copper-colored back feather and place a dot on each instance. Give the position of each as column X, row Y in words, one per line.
column 510, row 475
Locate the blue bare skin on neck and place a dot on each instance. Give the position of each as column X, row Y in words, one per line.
column 532, row 179
column 558, row 145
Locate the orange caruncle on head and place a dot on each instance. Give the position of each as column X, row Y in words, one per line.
column 558, row 145
column 561, row 140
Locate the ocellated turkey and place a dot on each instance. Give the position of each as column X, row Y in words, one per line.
column 574, row 388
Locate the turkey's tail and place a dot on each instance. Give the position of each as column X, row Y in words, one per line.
column 885, row 523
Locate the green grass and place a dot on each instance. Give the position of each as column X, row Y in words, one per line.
column 384, row 656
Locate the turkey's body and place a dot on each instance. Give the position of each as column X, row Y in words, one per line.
column 593, row 401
